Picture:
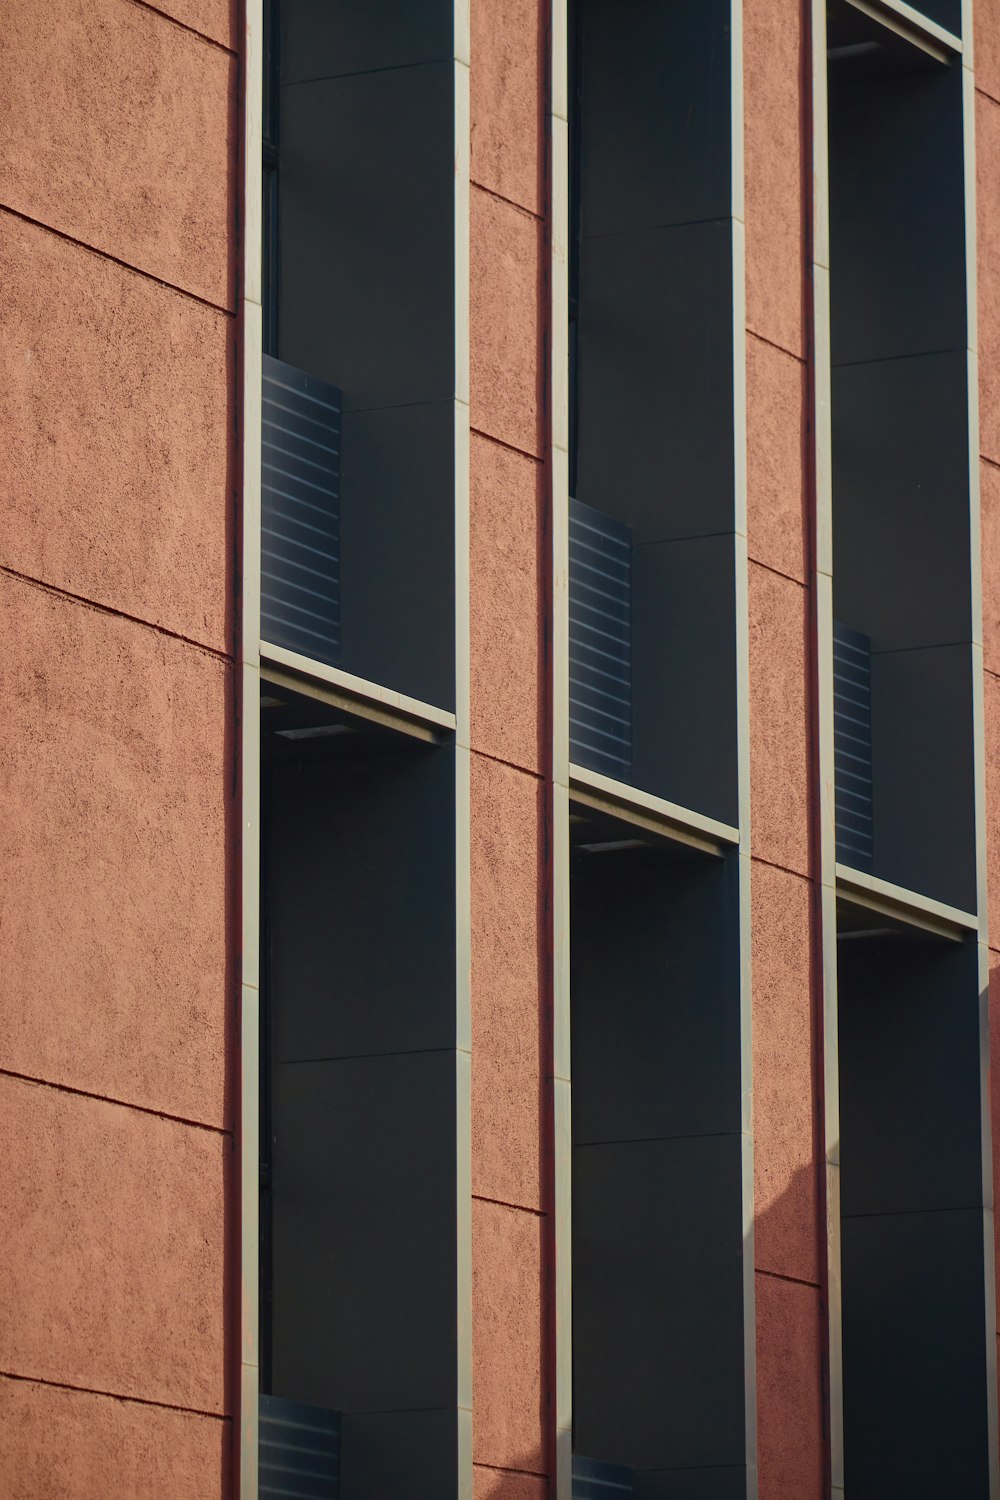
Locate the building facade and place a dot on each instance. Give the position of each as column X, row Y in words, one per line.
column 500, row 581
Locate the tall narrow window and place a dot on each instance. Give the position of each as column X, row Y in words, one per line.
column 916, row 1310
column 651, row 412
column 662, row 1321
column 361, row 1081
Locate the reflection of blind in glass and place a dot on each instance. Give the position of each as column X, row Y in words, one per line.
column 299, row 1451
column 852, row 745
column 600, row 641
column 596, row 1481
column 300, row 512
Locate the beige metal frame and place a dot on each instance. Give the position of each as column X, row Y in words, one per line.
column 837, row 881
column 572, row 783
column 370, row 700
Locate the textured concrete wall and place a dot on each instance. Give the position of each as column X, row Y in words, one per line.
column 787, row 1146
column 987, row 60
column 117, row 176
column 509, row 737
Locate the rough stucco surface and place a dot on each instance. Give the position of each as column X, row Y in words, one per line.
column 506, row 1337
column 507, row 660
column 991, row 706
column 776, row 495
column 779, row 762
column 989, row 489
column 507, row 943
column 773, row 51
column 215, row 19
column 114, row 408
column 786, row 1198
column 57, row 1444
column 507, row 94
column 497, row 1484
column 113, row 939
column 789, row 1391
column 988, row 232
column 986, row 19
column 505, row 314
column 111, row 1248
column 117, row 129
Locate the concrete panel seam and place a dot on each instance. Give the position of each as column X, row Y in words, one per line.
column 126, row 265
column 226, row 657
column 87, row 1390
column 142, row 1109
column 210, row 41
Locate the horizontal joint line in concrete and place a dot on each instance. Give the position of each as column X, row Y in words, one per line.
column 773, row 864
column 183, row 26
column 142, row 1109
column 510, row 202
column 478, row 1463
column 512, row 765
column 89, row 1390
column 519, row 1208
column 118, row 614
column 778, row 572
column 491, row 437
column 792, row 1280
column 762, row 338
column 126, row 265
column 756, row 563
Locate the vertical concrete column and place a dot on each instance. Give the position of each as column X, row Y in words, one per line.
column 787, row 1145
column 986, row 32
column 117, row 164
column 508, row 569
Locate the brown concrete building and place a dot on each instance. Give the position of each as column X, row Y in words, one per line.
column 500, row 751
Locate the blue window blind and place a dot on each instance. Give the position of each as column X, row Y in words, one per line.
column 300, row 512
column 593, row 1480
column 600, row 641
column 299, row 1448
column 852, row 746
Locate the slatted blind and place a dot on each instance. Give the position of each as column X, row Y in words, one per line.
column 600, row 641
column 300, row 512
column 852, row 745
column 593, row 1480
column 299, row 1450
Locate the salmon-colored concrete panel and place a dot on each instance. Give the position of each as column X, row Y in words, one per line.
column 215, row 19
column 774, row 143
column 115, row 772
column 786, row 1190
column 112, row 1248
column 507, row 592
column 71, row 1445
column 991, row 715
column 118, row 128
column 507, row 941
column 114, row 404
column 776, row 493
column 507, row 87
column 500, row 1484
column 986, row 28
column 779, row 745
column 507, row 1330
column 505, row 323
column 988, row 232
column 789, row 1391
column 989, row 489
